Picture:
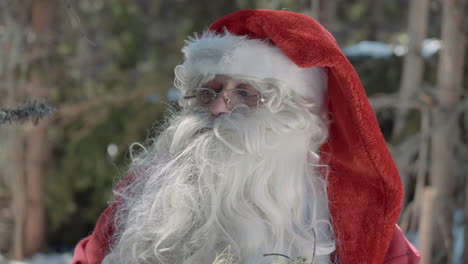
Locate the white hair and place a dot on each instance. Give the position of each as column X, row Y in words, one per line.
column 249, row 180
column 226, row 53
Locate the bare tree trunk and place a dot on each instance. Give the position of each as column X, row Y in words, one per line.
column 413, row 63
column 425, row 228
column 36, row 160
column 327, row 13
column 324, row 11
column 315, row 7
column 36, row 148
column 449, row 88
column 13, row 171
column 18, row 197
column 375, row 19
column 423, row 161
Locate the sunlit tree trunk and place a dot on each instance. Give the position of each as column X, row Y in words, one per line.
column 425, row 228
column 36, row 138
column 12, row 167
column 413, row 63
column 448, row 95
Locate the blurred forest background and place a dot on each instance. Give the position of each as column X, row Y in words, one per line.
column 106, row 66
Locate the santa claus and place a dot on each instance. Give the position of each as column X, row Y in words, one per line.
column 275, row 155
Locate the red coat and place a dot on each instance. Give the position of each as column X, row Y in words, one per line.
column 364, row 186
column 92, row 249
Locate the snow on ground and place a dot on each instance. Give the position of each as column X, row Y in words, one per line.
column 54, row 258
column 458, row 232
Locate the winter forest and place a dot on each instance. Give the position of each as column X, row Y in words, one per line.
column 81, row 80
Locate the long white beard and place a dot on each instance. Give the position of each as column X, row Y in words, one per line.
column 247, row 182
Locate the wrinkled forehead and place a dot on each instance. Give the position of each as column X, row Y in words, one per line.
column 223, row 78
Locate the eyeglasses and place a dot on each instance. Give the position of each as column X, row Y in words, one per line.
column 204, row 97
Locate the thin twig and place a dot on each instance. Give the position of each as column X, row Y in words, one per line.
column 422, row 166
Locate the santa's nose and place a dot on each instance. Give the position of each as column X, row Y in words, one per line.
column 218, row 107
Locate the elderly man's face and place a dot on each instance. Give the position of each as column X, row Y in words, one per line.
column 224, row 94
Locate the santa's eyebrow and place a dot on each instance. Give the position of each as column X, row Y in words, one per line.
column 213, row 84
column 245, row 85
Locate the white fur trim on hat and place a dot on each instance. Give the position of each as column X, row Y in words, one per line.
column 230, row 54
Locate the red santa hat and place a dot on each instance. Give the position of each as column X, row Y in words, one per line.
column 364, row 186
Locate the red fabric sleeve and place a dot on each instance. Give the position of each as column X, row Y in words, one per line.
column 93, row 248
column 401, row 251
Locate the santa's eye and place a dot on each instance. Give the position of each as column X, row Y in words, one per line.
column 205, row 95
column 241, row 93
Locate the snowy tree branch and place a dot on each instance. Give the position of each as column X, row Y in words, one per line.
column 29, row 110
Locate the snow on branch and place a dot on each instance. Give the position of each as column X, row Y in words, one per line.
column 29, row 110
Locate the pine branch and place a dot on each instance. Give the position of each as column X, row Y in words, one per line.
column 29, row 110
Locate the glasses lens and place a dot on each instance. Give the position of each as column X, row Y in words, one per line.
column 200, row 97
column 205, row 96
column 238, row 97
